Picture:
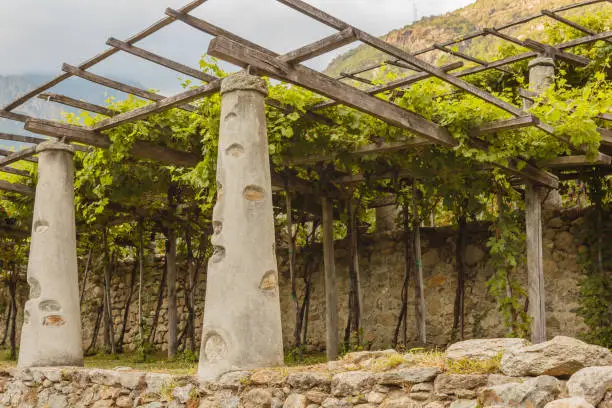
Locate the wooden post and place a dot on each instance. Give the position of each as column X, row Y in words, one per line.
column 419, row 288
column 535, row 271
column 331, row 297
column 171, row 283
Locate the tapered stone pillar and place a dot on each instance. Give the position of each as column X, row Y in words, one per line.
column 242, row 323
column 51, row 334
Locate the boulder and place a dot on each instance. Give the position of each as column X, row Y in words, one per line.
column 462, row 403
column 533, row 393
column 352, row 383
column 457, row 384
column 482, row 349
column 559, row 357
column 295, row 401
column 257, row 398
column 591, row 383
column 308, row 380
column 404, row 376
column 574, row 402
column 234, row 379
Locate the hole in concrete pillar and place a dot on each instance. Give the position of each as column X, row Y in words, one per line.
column 215, row 348
column 34, row 288
column 49, row 306
column 26, row 317
column 218, row 254
column 269, row 281
column 54, row 320
column 219, row 190
column 235, row 150
column 253, row 193
column 217, row 227
column 230, row 116
column 41, row 226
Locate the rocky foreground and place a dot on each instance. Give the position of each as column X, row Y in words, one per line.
column 563, row 372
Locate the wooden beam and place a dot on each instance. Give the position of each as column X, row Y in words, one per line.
column 570, row 23
column 16, row 172
column 17, row 117
column 12, row 157
column 140, row 149
column 16, row 188
column 605, row 116
column 320, row 47
column 242, row 55
column 75, row 103
column 109, row 83
column 21, row 138
column 467, row 57
column 155, row 27
column 554, row 52
column 287, row 109
column 394, row 84
column 398, row 53
column 569, row 162
column 159, row 106
column 157, row 59
column 500, row 125
column 535, row 269
column 356, row 78
column 331, row 296
column 387, row 147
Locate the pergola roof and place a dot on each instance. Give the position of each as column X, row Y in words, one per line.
column 288, row 67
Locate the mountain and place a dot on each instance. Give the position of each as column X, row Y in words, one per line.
column 13, row 86
column 437, row 29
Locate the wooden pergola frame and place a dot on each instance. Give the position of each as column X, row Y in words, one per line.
column 289, row 68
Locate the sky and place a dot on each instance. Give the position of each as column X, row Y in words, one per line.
column 37, row 36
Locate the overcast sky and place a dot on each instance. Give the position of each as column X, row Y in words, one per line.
column 37, row 36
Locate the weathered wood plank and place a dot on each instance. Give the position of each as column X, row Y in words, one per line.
column 570, row 23
column 287, row 109
column 507, row 124
column 605, row 116
column 387, row 147
column 568, row 162
column 535, row 268
column 140, row 149
column 159, row 106
column 16, row 188
column 157, row 59
column 12, row 157
column 331, row 296
column 551, row 51
column 17, row 117
column 395, row 84
column 155, row 27
column 242, row 55
column 17, row 172
column 75, row 103
column 320, row 47
column 467, row 57
column 21, row 138
column 109, row 83
column 356, row 78
column 400, row 54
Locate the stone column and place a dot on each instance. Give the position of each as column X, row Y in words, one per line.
column 51, row 334
column 242, row 323
column 541, row 76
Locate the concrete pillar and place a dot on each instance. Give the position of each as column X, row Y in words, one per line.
column 51, row 334
column 541, row 76
column 386, row 218
column 242, row 323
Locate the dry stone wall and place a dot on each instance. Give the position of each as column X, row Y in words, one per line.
column 381, row 262
column 563, row 372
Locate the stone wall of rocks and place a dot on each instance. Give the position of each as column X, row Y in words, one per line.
column 563, row 372
column 381, row 262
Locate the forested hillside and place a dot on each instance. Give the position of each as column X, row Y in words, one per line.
column 437, row 29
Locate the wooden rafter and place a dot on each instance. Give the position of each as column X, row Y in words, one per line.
column 570, row 162
column 155, row 27
column 12, row 157
column 321, row 47
column 242, row 55
column 157, row 59
column 100, row 80
column 75, row 103
column 21, row 138
column 16, row 188
column 140, row 149
column 570, row 23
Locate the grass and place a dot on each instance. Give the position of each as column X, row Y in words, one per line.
column 187, row 364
